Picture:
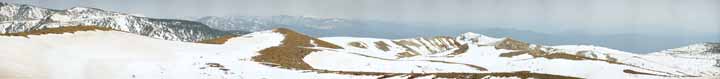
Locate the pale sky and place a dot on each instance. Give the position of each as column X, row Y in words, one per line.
column 652, row 17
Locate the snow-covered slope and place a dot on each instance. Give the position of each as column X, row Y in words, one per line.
column 16, row 18
column 283, row 53
column 702, row 51
column 120, row 55
column 274, row 54
column 507, row 55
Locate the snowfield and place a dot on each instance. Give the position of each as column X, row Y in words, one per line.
column 614, row 64
column 121, row 55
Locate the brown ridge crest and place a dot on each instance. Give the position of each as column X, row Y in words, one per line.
column 290, row 54
column 59, row 30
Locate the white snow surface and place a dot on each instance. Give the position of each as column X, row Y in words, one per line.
column 120, row 55
column 485, row 55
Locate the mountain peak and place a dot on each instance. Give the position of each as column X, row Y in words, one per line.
column 471, row 34
column 27, row 18
column 82, row 9
column 478, row 38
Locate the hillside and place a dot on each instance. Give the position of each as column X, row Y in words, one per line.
column 16, row 18
column 283, row 53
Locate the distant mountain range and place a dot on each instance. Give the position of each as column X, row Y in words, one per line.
column 20, row 18
column 90, row 43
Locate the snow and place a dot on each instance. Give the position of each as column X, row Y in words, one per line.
column 345, row 61
column 600, row 52
column 479, row 38
column 487, row 56
column 372, row 48
column 111, row 54
column 22, row 18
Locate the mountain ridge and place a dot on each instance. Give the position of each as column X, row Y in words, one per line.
column 21, row 18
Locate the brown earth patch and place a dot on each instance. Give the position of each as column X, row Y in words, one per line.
column 535, row 52
column 514, row 53
column 358, row 44
column 567, row 56
column 583, row 53
column 407, row 49
column 512, row 44
column 445, row 39
column 433, row 45
column 382, row 46
column 462, row 49
column 560, row 55
column 435, row 61
column 454, row 75
column 405, row 54
column 407, row 43
column 59, row 30
column 217, row 65
column 289, row 55
column 641, row 73
column 439, row 41
column 220, row 40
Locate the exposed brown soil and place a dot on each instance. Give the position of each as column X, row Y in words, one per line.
column 559, row 55
column 382, row 46
column 59, row 30
column 358, row 44
column 583, row 53
column 568, row 56
column 436, row 61
column 447, row 39
column 515, row 53
column 462, row 49
column 407, row 49
column 536, row 52
column 454, row 75
column 444, row 44
column 214, row 65
column 512, row 44
column 405, row 54
column 408, row 43
column 220, row 40
column 290, row 54
column 217, row 65
column 642, row 73
column 542, row 54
